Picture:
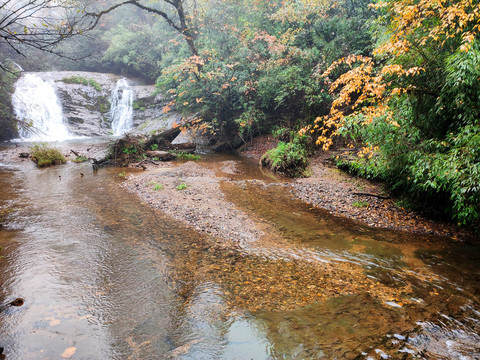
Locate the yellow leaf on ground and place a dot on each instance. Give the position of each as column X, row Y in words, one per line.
column 69, row 352
column 54, row 322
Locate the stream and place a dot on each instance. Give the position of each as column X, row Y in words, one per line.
column 105, row 276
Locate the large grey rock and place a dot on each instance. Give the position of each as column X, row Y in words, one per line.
column 87, row 110
column 148, row 115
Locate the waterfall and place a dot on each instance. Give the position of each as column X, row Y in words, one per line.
column 18, row 66
column 35, row 102
column 122, row 107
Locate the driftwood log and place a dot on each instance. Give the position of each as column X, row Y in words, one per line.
column 128, row 150
column 160, row 155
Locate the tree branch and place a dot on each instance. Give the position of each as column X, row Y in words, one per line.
column 99, row 15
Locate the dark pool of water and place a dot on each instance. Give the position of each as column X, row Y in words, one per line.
column 104, row 276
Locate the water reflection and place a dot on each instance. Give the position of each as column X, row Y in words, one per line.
column 105, row 275
column 114, row 279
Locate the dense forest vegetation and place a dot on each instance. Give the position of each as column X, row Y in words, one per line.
column 398, row 81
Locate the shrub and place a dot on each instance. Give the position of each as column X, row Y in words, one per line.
column 126, row 150
column 43, row 155
column 290, row 158
column 438, row 176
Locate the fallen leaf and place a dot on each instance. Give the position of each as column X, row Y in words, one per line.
column 69, row 352
column 55, row 322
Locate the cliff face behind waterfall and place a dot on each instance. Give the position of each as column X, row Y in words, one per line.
column 86, row 100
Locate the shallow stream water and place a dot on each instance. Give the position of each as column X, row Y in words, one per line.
column 104, row 276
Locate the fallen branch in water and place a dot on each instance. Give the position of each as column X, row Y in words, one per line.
column 372, row 195
column 75, row 153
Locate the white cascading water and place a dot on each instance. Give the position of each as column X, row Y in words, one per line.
column 122, row 107
column 36, row 103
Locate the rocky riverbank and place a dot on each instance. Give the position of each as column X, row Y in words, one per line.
column 202, row 204
column 364, row 201
column 195, row 194
column 355, row 198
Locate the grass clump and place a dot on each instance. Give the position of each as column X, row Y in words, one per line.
column 181, row 186
column 43, row 155
column 80, row 159
column 157, row 187
column 360, row 204
column 82, row 81
column 290, row 158
column 186, row 156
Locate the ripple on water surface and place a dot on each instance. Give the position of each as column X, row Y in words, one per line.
column 109, row 277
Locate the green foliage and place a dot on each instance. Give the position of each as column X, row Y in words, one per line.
column 360, row 204
column 281, row 133
column 103, row 105
column 139, row 105
column 3, row 215
column 80, row 159
column 256, row 70
column 181, row 186
column 451, row 168
column 8, row 125
column 290, row 158
column 158, row 186
column 82, row 81
column 439, row 176
column 43, row 155
column 251, row 122
column 130, row 149
column 460, row 94
column 186, row 156
column 213, row 95
column 428, row 149
column 137, row 50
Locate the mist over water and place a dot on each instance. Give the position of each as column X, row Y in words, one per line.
column 36, row 103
